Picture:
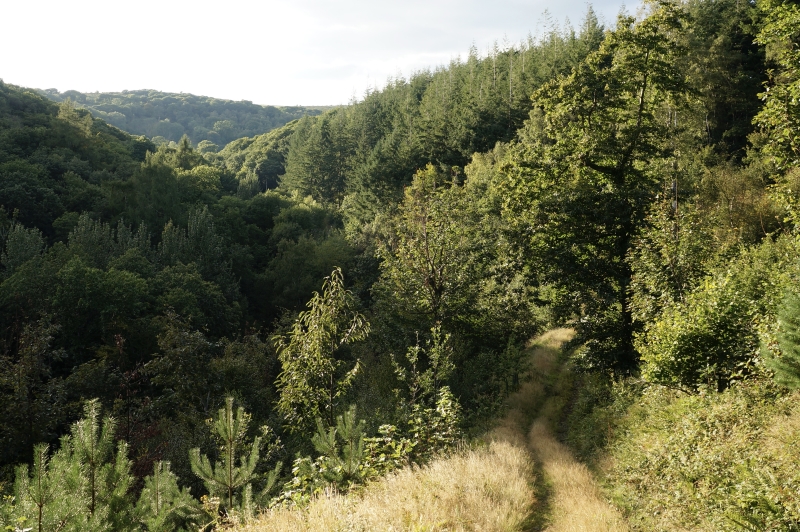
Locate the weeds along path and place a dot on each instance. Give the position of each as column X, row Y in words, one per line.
column 570, row 498
column 521, row 479
column 487, row 488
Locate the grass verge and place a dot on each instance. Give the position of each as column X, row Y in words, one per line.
column 489, row 487
column 706, row 462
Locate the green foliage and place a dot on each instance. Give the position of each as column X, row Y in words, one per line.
column 348, row 459
column 180, row 366
column 725, row 70
column 779, row 118
column 21, row 245
column 163, row 505
column 428, row 264
column 447, row 262
column 263, row 156
column 618, row 200
column 582, row 176
column 107, row 475
column 83, row 486
column 433, row 430
column 32, row 409
column 597, row 411
column 712, row 338
column 298, row 265
column 53, row 159
column 786, row 365
column 715, row 461
column 314, row 380
column 424, row 377
column 317, row 165
column 199, row 243
column 671, row 257
column 230, row 478
column 341, row 449
column 45, row 498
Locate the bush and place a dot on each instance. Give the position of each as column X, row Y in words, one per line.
column 712, row 338
column 706, row 462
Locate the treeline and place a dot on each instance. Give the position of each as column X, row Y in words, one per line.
column 357, row 159
column 633, row 183
column 210, row 123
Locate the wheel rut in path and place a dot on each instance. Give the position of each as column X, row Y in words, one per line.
column 571, row 500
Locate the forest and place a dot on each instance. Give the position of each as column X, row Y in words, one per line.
column 210, row 309
column 210, row 123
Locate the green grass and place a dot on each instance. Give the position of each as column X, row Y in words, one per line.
column 713, row 461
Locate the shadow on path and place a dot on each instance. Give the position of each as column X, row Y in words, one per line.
column 568, row 497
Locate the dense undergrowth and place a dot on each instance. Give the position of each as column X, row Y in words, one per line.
column 708, row 461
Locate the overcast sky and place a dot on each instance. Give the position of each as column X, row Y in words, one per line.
column 303, row 52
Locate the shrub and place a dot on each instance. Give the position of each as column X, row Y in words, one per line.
column 712, row 338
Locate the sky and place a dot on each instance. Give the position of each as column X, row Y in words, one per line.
column 272, row 52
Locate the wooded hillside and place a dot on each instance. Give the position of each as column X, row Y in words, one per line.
column 351, row 292
column 210, row 123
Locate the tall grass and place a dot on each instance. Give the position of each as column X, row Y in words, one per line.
column 575, row 501
column 482, row 489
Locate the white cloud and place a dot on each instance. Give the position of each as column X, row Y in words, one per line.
column 272, row 52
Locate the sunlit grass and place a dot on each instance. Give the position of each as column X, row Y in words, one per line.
column 481, row 489
column 486, row 488
column 576, row 502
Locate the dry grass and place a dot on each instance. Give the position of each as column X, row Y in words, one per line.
column 576, row 502
column 483, row 489
column 555, row 338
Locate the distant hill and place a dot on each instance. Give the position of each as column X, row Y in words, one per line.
column 166, row 117
column 57, row 159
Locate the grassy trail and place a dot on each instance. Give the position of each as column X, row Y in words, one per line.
column 522, row 479
column 573, row 501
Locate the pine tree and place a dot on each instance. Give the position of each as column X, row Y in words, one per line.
column 787, row 366
column 163, row 505
column 225, row 479
column 52, row 494
column 82, row 487
column 107, row 475
column 341, row 465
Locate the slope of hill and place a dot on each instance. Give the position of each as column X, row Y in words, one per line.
column 644, row 196
column 165, row 116
column 55, row 158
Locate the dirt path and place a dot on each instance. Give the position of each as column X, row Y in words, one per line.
column 489, row 488
column 571, row 499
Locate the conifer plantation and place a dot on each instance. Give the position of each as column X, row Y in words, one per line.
column 243, row 312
